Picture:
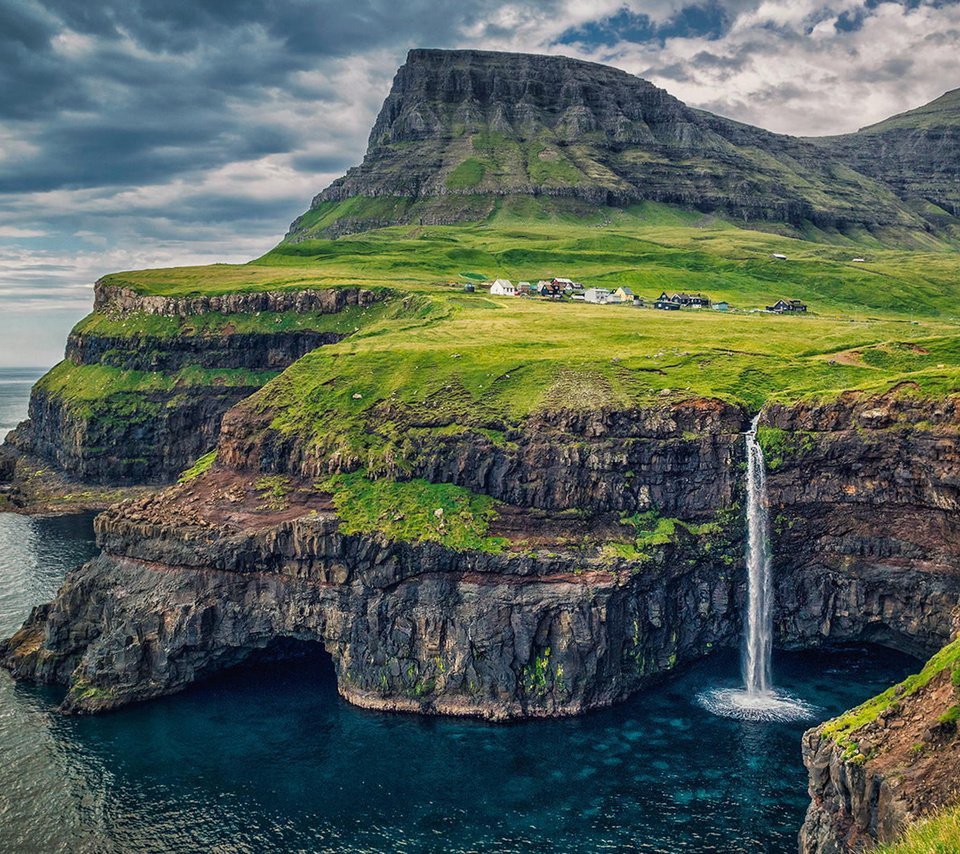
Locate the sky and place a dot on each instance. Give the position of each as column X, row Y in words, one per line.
column 146, row 133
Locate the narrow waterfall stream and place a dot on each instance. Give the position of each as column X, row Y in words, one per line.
column 757, row 699
column 758, row 642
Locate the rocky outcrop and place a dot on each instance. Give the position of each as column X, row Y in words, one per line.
column 206, row 575
column 478, row 125
column 159, row 435
column 252, row 351
column 885, row 765
column 680, row 458
column 864, row 491
column 153, row 427
column 120, row 301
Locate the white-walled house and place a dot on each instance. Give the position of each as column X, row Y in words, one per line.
column 503, row 288
column 597, row 295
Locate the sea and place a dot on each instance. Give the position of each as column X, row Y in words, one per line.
column 270, row 759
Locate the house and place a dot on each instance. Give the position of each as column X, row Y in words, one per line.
column 723, row 305
column 692, row 300
column 525, row 288
column 666, row 305
column 563, row 283
column 787, row 305
column 503, row 288
column 624, row 294
column 549, row 289
column 597, row 295
column 778, row 256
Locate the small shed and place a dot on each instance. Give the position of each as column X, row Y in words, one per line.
column 722, row 305
column 469, row 288
column 778, row 256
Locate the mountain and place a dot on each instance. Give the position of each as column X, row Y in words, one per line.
column 916, row 153
column 461, row 131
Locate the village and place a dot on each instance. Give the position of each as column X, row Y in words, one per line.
column 567, row 289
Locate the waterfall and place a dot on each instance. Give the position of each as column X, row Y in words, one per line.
column 757, row 700
column 758, row 640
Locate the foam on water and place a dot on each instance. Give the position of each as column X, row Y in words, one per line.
column 745, row 705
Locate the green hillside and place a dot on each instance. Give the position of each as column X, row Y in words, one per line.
column 471, row 360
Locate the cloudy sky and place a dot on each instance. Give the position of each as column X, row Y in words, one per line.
column 139, row 133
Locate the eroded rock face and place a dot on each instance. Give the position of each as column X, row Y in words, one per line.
column 171, row 429
column 864, row 494
column 902, row 767
column 186, row 587
column 155, row 432
column 119, row 301
column 680, row 458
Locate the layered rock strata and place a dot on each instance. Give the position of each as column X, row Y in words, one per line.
column 205, row 575
column 154, row 427
column 886, row 764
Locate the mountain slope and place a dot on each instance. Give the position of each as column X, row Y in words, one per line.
column 460, row 130
column 916, row 153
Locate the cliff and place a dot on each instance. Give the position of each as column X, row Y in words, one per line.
column 557, row 591
column 885, row 764
column 146, row 379
column 460, row 130
column 543, row 623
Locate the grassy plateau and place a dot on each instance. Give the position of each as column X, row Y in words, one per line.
column 871, row 324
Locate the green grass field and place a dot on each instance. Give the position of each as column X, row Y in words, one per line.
column 871, row 325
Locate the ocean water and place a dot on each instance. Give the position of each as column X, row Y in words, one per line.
column 15, row 384
column 269, row 758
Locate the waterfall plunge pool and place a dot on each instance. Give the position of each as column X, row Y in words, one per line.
column 269, row 758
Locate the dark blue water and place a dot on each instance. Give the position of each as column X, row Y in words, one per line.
column 270, row 759
column 15, row 386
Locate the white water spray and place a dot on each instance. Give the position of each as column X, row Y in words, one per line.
column 758, row 645
column 757, row 700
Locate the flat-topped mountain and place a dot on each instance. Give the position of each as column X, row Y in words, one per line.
column 462, row 130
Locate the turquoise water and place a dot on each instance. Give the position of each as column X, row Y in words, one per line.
column 269, row 758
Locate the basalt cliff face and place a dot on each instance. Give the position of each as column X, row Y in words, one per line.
column 554, row 621
column 460, row 130
column 210, row 572
column 140, row 407
column 886, row 764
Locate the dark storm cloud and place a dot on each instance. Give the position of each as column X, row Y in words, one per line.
column 129, row 92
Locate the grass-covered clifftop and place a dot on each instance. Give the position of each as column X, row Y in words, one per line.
column 426, row 352
column 871, row 324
